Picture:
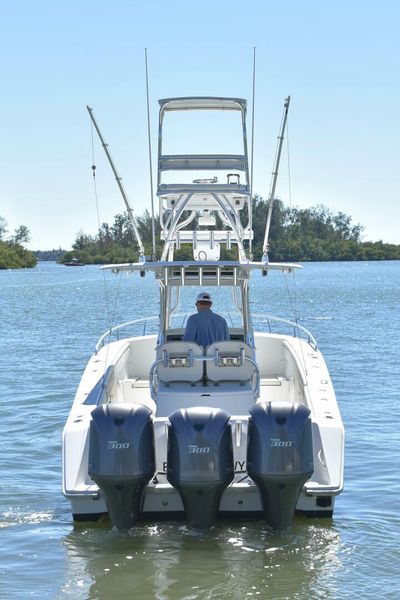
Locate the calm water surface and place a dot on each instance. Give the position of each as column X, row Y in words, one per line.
column 51, row 317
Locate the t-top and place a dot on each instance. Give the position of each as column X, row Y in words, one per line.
column 205, row 328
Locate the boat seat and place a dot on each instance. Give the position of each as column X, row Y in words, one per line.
column 230, row 362
column 178, row 362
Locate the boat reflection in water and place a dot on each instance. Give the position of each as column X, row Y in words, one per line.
column 170, row 561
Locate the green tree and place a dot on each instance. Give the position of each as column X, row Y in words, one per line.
column 22, row 235
column 12, row 253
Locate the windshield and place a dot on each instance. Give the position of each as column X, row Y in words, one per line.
column 222, row 304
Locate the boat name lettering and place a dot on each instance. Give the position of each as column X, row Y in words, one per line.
column 112, row 445
column 193, row 449
column 277, row 443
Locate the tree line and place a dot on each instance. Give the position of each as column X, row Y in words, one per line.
column 309, row 234
column 55, row 254
column 13, row 255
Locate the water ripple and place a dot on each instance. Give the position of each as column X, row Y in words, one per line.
column 51, row 319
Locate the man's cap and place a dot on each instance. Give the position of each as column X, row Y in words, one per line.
column 204, row 297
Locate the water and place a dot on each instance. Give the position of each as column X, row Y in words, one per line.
column 51, row 318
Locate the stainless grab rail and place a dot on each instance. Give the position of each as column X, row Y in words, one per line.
column 310, row 338
column 144, row 320
column 109, row 332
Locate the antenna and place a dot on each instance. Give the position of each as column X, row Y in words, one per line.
column 121, row 187
column 153, row 229
column 252, row 150
column 275, row 177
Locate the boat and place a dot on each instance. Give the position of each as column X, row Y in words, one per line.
column 163, row 428
column 74, row 262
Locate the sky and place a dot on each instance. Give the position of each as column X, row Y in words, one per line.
column 339, row 61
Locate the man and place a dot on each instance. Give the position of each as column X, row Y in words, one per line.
column 205, row 327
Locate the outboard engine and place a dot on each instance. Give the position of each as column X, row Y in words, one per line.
column 200, row 461
column 121, row 458
column 279, row 457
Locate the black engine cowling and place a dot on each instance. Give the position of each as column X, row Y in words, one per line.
column 279, row 457
column 200, row 461
column 121, row 458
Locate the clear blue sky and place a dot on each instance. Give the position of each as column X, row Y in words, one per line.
column 338, row 60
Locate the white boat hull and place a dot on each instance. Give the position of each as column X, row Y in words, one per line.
column 291, row 370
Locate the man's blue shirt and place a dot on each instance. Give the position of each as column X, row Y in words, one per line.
column 205, row 328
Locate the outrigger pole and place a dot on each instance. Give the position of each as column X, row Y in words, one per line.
column 153, row 228
column 275, row 178
column 121, row 187
column 252, row 151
